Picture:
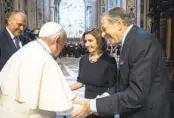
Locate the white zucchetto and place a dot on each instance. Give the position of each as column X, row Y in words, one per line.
column 49, row 29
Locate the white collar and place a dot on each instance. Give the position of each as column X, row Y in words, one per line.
column 125, row 34
column 45, row 46
column 11, row 35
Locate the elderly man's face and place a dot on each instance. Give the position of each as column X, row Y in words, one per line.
column 110, row 31
column 17, row 24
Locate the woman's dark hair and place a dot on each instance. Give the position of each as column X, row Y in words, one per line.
column 101, row 42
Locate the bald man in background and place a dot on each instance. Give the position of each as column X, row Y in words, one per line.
column 10, row 37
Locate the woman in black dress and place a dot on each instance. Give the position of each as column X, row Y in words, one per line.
column 97, row 69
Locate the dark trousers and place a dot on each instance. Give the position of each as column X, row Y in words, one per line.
column 95, row 116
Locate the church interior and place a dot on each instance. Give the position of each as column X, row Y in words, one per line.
column 78, row 16
column 156, row 16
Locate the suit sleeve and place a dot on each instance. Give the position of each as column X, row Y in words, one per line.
column 143, row 62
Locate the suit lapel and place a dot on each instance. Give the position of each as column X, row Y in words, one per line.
column 130, row 34
column 123, row 61
column 9, row 40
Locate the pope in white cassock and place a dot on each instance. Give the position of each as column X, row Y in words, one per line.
column 32, row 83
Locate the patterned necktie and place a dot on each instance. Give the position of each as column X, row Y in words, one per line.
column 16, row 40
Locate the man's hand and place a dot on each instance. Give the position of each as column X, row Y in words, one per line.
column 84, row 110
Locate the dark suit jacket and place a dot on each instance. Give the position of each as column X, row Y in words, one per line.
column 143, row 89
column 7, row 47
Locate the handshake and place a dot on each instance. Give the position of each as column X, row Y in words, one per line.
column 80, row 107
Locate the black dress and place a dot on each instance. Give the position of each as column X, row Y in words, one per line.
column 98, row 77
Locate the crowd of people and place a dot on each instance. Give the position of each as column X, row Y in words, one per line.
column 33, row 85
column 73, row 49
column 77, row 49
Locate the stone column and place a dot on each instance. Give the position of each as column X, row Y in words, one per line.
column 52, row 9
column 85, row 14
column 146, row 19
column 108, row 4
column 155, row 19
column 169, row 39
column 116, row 3
column 172, row 41
column 56, row 11
column 21, row 5
column 89, row 15
column 162, row 30
column 138, row 12
column 94, row 14
column 16, row 4
column 46, row 11
column 34, row 12
column 31, row 13
column 39, row 13
column 98, row 13
column 124, row 4
column 2, row 22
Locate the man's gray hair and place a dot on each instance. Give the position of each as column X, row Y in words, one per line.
column 117, row 13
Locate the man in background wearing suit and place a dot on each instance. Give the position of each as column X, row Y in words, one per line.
column 10, row 40
column 143, row 89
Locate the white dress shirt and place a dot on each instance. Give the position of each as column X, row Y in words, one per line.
column 12, row 37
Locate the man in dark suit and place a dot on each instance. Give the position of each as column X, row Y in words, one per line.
column 143, row 89
column 10, row 39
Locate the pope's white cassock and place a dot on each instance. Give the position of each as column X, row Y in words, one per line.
column 33, row 81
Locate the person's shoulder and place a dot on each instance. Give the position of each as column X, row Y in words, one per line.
column 140, row 32
column 141, row 41
column 3, row 36
column 140, row 36
column 107, row 57
column 2, row 32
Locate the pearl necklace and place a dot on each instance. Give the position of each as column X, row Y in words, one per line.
column 92, row 59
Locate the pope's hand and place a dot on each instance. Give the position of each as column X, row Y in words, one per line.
column 84, row 110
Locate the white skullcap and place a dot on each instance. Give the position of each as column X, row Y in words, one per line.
column 49, row 29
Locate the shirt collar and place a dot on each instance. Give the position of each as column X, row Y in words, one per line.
column 45, row 46
column 124, row 36
column 11, row 35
